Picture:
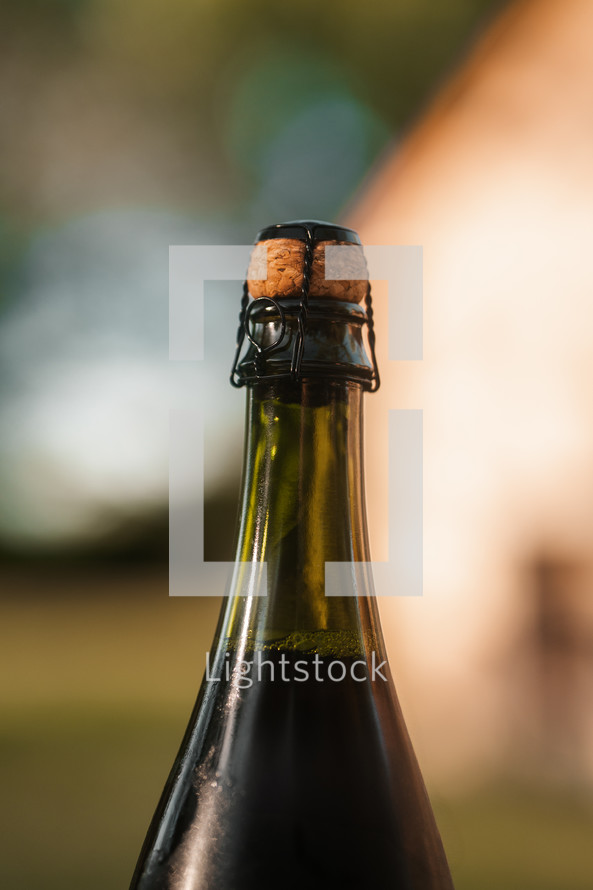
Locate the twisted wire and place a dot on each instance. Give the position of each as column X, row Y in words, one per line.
column 368, row 300
column 376, row 381
column 299, row 346
column 240, row 336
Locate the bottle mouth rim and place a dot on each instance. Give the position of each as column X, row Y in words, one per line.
column 310, row 370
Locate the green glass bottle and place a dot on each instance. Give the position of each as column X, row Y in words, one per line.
column 296, row 770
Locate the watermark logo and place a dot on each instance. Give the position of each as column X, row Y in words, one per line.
column 190, row 268
column 244, row 673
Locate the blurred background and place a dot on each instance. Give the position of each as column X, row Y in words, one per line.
column 465, row 127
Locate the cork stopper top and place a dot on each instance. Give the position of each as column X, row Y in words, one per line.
column 277, row 264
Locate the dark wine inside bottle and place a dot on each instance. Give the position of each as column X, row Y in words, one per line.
column 295, row 785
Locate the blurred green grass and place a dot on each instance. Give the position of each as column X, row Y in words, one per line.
column 98, row 678
column 518, row 838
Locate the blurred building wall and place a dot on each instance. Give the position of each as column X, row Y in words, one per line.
column 496, row 183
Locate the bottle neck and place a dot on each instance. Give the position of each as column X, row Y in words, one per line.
column 302, row 506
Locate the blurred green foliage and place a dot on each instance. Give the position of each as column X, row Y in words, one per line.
column 91, row 81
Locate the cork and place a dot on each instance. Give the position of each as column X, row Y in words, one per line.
column 276, row 270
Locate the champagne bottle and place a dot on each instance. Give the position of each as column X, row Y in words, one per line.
column 296, row 769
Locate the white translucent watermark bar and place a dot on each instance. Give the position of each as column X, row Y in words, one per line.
column 189, row 573
column 190, row 267
column 401, row 267
column 402, row 574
